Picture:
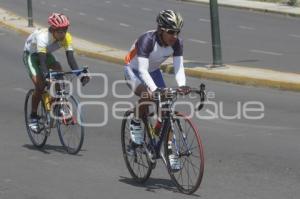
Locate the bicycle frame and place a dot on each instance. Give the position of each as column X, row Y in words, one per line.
column 156, row 144
column 61, row 95
column 167, row 110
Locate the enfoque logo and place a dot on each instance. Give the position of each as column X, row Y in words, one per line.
column 250, row 110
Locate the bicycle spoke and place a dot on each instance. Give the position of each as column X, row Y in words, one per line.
column 71, row 134
column 188, row 146
column 39, row 138
column 193, row 166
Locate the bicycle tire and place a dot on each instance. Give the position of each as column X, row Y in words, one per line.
column 70, row 133
column 138, row 163
column 182, row 177
column 38, row 139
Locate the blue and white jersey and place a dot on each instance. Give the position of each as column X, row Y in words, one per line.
column 148, row 53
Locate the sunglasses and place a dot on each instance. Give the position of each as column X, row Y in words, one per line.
column 172, row 32
column 61, row 31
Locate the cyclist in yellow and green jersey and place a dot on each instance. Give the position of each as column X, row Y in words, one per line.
column 38, row 57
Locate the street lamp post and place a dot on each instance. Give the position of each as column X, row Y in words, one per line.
column 215, row 34
column 30, row 18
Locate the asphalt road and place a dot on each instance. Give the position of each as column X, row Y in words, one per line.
column 248, row 38
column 243, row 158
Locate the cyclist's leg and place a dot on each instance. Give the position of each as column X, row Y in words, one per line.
column 137, row 85
column 39, row 85
column 55, row 66
column 31, row 62
column 144, row 101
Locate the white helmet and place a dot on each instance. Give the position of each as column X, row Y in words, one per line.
column 168, row 19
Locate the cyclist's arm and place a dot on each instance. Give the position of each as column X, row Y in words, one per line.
column 68, row 45
column 179, row 70
column 145, row 45
column 145, row 75
column 178, row 63
column 71, row 60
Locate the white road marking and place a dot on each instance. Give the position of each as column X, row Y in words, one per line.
column 82, row 14
column 197, row 41
column 100, row 19
column 66, row 9
column 107, row 1
column 147, row 9
column 126, row 5
column 124, row 25
column 246, row 28
column 22, row 90
column 246, row 125
column 54, row 5
column 204, row 20
column 295, row 36
column 266, row 52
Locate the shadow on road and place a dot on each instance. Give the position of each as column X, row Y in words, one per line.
column 151, row 184
column 48, row 148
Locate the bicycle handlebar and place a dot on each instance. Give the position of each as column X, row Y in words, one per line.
column 177, row 91
column 57, row 74
column 202, row 95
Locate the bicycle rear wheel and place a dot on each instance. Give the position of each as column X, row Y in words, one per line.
column 38, row 138
column 135, row 156
column 70, row 130
column 187, row 146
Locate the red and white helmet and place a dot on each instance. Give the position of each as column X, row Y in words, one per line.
column 57, row 20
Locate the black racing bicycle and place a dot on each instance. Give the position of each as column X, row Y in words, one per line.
column 57, row 112
column 177, row 129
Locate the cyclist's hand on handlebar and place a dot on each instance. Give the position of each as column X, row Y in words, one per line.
column 154, row 95
column 162, row 92
column 84, row 80
column 184, row 90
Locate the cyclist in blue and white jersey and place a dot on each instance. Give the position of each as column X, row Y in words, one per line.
column 142, row 69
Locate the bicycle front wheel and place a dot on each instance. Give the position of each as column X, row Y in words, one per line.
column 184, row 143
column 136, row 159
column 39, row 137
column 69, row 126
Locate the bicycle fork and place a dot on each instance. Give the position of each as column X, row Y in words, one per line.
column 183, row 137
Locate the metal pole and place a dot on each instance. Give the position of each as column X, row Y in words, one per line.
column 215, row 33
column 29, row 7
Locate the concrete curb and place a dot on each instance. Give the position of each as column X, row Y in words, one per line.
column 101, row 56
column 252, row 8
column 236, row 79
column 233, row 74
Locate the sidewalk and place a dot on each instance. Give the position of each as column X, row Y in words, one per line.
column 256, row 5
column 234, row 74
